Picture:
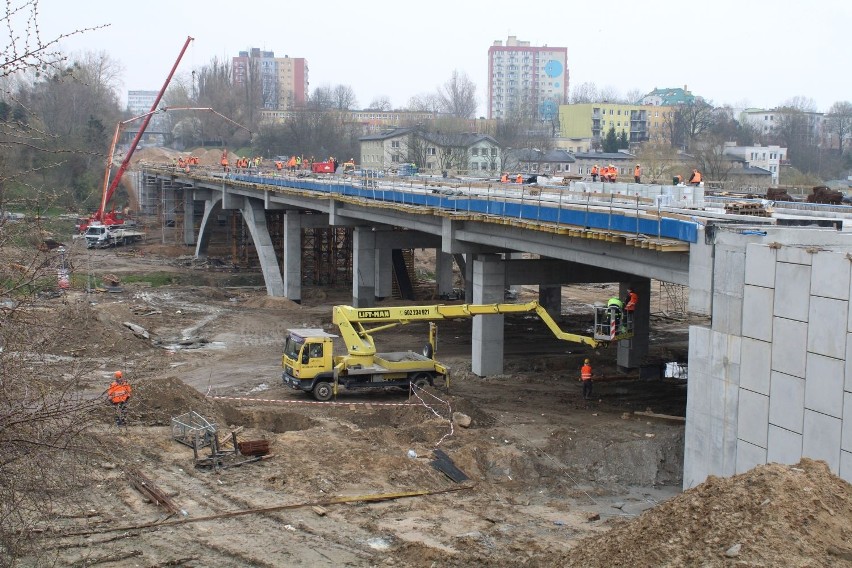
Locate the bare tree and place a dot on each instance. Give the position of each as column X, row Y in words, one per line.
column 428, row 102
column 584, row 93
column 458, row 96
column 634, row 96
column 381, row 103
column 344, row 97
column 610, row 94
column 839, row 122
column 43, row 417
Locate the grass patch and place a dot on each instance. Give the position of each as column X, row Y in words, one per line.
column 155, row 279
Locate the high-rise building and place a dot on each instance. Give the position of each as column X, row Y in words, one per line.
column 523, row 79
column 283, row 80
column 139, row 103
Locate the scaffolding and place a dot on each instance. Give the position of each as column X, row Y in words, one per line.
column 326, row 256
column 672, row 300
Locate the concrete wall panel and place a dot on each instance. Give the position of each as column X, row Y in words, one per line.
column 789, row 346
column 824, row 385
column 821, row 438
column 794, row 255
column 827, row 318
column 846, row 466
column 749, row 456
column 729, row 268
column 848, row 385
column 846, row 431
column 753, row 418
column 792, row 291
column 755, row 365
column 757, row 312
column 830, row 275
column 787, row 402
column 784, row 446
column 760, row 266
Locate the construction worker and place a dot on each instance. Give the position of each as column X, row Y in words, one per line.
column 677, row 180
column 224, row 161
column 119, row 393
column 595, row 171
column 504, row 178
column 637, row 173
column 695, row 179
column 630, row 303
column 519, row 179
column 586, row 378
column 615, row 307
column 612, row 173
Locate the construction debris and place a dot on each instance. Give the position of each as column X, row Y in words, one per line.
column 147, row 488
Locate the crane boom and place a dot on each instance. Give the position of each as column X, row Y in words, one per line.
column 109, row 191
column 359, row 341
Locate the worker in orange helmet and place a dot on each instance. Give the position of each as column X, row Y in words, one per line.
column 119, row 394
column 594, row 172
column 519, row 179
column 695, row 179
column 637, row 174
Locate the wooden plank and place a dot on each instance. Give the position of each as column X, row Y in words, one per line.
column 660, row 417
column 445, row 465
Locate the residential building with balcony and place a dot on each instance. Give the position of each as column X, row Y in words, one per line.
column 593, row 120
column 523, row 79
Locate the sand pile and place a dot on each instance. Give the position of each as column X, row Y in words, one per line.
column 773, row 515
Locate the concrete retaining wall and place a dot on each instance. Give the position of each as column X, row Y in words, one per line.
column 771, row 380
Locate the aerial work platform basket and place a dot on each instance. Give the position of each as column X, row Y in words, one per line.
column 612, row 324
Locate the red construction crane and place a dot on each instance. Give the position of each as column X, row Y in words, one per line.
column 100, row 216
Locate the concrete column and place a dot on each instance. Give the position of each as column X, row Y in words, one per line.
column 363, row 267
column 514, row 288
column 468, row 280
column 632, row 351
column 384, row 273
column 550, row 297
column 188, row 217
column 255, row 218
column 292, row 260
column 489, row 279
column 443, row 272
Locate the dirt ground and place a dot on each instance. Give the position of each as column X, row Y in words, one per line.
column 553, row 480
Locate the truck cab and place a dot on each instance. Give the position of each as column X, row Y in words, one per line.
column 308, row 358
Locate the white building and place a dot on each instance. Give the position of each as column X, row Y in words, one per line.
column 768, row 158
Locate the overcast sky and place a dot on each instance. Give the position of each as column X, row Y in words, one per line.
column 754, row 53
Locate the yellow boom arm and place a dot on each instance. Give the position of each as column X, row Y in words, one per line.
column 359, row 341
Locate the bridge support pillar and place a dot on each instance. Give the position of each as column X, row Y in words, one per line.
column 255, row 218
column 550, row 298
column 211, row 206
column 632, row 351
column 384, row 273
column 468, row 280
column 489, row 284
column 292, row 258
column 363, row 267
column 188, row 217
column 443, row 272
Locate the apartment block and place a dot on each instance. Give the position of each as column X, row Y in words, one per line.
column 525, row 79
column 284, row 80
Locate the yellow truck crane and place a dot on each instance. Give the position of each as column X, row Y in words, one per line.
column 310, row 365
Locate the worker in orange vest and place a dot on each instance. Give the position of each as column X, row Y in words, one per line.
column 630, row 303
column 119, row 393
column 695, row 179
column 224, row 161
column 594, row 171
column 613, row 173
column 504, row 178
column 519, row 179
column 586, row 378
column 637, row 174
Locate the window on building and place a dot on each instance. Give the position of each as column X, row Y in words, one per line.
column 394, row 143
column 618, row 112
column 474, row 151
column 430, row 151
column 395, row 158
column 494, row 152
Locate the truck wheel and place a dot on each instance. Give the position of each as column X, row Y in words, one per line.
column 323, row 391
column 422, row 380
